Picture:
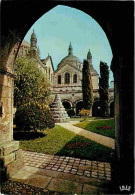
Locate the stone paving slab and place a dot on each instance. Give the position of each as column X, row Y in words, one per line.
column 63, row 164
column 104, row 140
column 70, row 180
column 39, row 181
column 64, row 186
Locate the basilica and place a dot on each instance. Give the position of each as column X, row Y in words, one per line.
column 66, row 79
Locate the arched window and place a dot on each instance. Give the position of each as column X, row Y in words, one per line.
column 75, row 78
column 67, row 78
column 59, row 79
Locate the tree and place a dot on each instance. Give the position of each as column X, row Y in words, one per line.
column 104, row 88
column 31, row 95
column 87, row 89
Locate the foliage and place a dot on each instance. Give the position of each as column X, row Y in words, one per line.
column 84, row 112
column 104, row 88
column 92, row 126
column 87, row 89
column 34, row 117
column 62, row 142
column 31, row 95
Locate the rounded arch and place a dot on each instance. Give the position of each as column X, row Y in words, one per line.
column 96, row 109
column 59, row 79
column 75, row 78
column 67, row 78
column 112, row 109
column 67, row 104
column 79, row 106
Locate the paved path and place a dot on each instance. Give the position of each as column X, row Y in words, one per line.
column 60, row 174
column 106, row 141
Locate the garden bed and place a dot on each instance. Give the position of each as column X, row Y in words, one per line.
column 102, row 127
column 60, row 141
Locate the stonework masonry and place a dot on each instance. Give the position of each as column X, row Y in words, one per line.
column 10, row 153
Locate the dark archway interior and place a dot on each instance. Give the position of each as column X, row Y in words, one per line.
column 66, row 105
column 112, row 109
column 79, row 106
column 96, row 110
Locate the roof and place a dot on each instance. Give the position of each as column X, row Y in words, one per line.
column 45, row 60
column 70, row 60
column 93, row 71
column 33, row 35
column 25, row 43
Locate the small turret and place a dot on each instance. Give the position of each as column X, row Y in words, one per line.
column 33, row 45
column 89, row 57
column 70, row 49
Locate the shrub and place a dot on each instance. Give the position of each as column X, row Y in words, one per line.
column 34, row 117
column 31, row 96
column 84, row 112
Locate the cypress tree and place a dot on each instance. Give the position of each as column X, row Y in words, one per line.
column 87, row 89
column 104, row 88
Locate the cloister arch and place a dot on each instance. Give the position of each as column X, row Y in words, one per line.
column 67, row 104
column 78, row 106
column 96, row 109
column 113, row 24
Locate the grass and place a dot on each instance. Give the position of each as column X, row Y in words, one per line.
column 91, row 126
column 60, row 141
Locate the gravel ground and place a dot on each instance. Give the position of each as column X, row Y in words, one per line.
column 12, row 187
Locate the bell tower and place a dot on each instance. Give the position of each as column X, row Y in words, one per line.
column 33, row 45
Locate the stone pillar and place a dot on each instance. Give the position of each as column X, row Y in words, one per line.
column 10, row 153
column 123, row 165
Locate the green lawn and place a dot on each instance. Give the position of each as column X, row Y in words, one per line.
column 60, row 141
column 91, row 126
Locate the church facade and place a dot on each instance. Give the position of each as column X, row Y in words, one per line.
column 66, row 79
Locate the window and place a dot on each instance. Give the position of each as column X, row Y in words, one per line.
column 67, row 78
column 75, row 78
column 59, row 79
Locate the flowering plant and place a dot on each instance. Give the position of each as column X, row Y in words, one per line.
column 84, row 112
column 105, row 127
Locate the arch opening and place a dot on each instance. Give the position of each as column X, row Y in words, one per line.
column 112, row 109
column 96, row 110
column 67, row 78
column 79, row 106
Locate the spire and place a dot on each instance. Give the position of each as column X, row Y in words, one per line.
column 89, row 57
column 70, row 49
column 33, row 35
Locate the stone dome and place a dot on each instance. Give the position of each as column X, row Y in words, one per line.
column 72, row 61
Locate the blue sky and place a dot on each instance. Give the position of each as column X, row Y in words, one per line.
column 62, row 25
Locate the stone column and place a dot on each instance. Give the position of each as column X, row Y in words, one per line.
column 122, row 167
column 10, row 153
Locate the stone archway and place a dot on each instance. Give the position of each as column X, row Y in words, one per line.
column 96, row 109
column 66, row 104
column 79, row 106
